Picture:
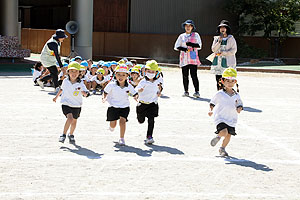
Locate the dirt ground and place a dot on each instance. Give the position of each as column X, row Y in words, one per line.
column 181, row 165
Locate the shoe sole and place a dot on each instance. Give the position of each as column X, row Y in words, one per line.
column 41, row 85
column 214, row 142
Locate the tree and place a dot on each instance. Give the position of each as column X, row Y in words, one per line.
column 276, row 18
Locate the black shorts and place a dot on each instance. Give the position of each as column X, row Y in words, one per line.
column 147, row 110
column 75, row 111
column 115, row 113
column 221, row 126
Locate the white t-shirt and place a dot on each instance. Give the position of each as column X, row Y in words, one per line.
column 105, row 79
column 89, row 76
column 151, row 89
column 225, row 108
column 118, row 97
column 71, row 93
column 36, row 74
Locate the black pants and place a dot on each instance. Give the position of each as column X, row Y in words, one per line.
column 219, row 84
column 150, row 125
column 150, row 111
column 54, row 75
column 185, row 77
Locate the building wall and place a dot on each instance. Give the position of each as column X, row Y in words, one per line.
column 111, row 15
column 156, row 46
column 166, row 16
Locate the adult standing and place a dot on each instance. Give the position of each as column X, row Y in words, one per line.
column 50, row 55
column 224, row 46
column 188, row 43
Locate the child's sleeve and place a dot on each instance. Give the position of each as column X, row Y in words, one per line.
column 108, row 88
column 83, row 88
column 214, row 101
column 139, row 86
column 239, row 102
column 132, row 90
column 63, row 85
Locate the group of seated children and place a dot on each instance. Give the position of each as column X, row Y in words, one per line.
column 94, row 76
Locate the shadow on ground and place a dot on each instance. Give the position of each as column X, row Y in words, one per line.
column 247, row 163
column 83, row 152
column 249, row 109
column 200, row 99
column 147, row 152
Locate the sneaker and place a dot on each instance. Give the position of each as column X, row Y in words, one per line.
column 101, row 92
column 41, row 84
column 196, row 95
column 71, row 139
column 149, row 140
column 111, row 129
column 186, row 94
column 223, row 152
column 214, row 141
column 94, row 92
column 62, row 138
column 121, row 142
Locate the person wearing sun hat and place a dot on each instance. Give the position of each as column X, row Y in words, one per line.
column 149, row 89
column 224, row 47
column 188, row 43
column 116, row 93
column 50, row 55
column 225, row 106
column 71, row 91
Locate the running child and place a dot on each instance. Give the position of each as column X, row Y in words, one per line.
column 116, row 94
column 225, row 106
column 149, row 90
column 71, row 92
column 38, row 70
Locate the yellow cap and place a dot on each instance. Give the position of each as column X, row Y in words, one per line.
column 135, row 70
column 152, row 65
column 82, row 68
column 74, row 65
column 121, row 62
column 229, row 73
column 101, row 71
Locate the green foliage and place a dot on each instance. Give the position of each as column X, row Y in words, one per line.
column 246, row 51
column 266, row 15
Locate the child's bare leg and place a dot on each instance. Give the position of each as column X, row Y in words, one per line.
column 94, row 84
column 73, row 126
column 223, row 133
column 122, row 124
column 226, row 140
column 113, row 124
column 68, row 122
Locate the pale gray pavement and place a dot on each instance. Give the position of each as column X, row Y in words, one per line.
column 181, row 164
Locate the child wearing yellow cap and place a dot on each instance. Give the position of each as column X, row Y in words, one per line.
column 134, row 78
column 71, row 91
column 149, row 90
column 116, row 93
column 225, row 106
column 99, row 81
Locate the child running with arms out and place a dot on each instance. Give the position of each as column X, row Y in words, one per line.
column 72, row 90
column 116, row 93
column 149, row 90
column 225, row 106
